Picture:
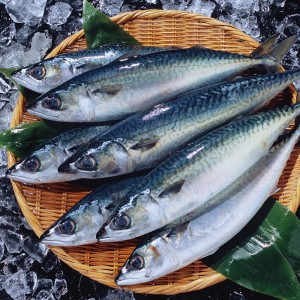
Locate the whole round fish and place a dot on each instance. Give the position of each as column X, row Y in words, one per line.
column 203, row 231
column 123, row 87
column 79, row 225
column 43, row 76
column 193, row 175
column 41, row 165
column 145, row 139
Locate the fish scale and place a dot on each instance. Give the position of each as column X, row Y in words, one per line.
column 173, row 188
column 124, row 87
column 203, row 231
column 171, row 125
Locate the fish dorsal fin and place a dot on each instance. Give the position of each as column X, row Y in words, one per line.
column 110, row 90
column 172, row 189
column 145, row 144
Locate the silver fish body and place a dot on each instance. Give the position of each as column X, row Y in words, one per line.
column 145, row 139
column 52, row 72
column 124, row 87
column 195, row 174
column 79, row 225
column 41, row 165
column 203, row 231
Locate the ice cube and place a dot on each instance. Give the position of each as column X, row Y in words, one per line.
column 14, row 285
column 31, row 282
column 23, row 34
column 44, row 284
column 34, row 248
column 60, row 287
column 2, row 279
column 15, row 263
column 7, row 34
column 49, row 262
column 26, row 11
column 11, row 222
column 12, row 240
column 58, row 14
column 108, row 7
column 41, row 42
column 12, row 56
column 45, row 295
column 119, row 294
column 4, row 86
column 1, row 249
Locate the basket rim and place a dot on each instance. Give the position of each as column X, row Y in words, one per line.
column 87, row 270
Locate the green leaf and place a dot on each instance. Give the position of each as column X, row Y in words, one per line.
column 262, row 255
column 283, row 227
column 100, row 30
column 23, row 139
column 7, row 73
column 27, row 94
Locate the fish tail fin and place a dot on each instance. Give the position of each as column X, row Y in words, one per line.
column 265, row 46
column 278, row 52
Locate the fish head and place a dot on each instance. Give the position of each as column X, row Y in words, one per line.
column 41, row 165
column 140, row 215
column 62, row 104
column 99, row 159
column 150, row 260
column 43, row 76
column 79, row 225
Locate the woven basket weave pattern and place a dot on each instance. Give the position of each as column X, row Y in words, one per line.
column 43, row 204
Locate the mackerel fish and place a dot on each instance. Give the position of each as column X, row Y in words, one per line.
column 203, row 231
column 79, row 225
column 195, row 174
column 123, row 87
column 145, row 139
column 41, row 165
column 43, row 76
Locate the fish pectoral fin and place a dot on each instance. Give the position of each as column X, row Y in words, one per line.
column 145, row 144
column 172, row 189
column 110, row 90
column 86, row 67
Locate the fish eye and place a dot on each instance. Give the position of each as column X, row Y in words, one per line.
column 137, row 262
column 86, row 163
column 37, row 72
column 68, row 226
column 122, row 221
column 52, row 102
column 32, row 164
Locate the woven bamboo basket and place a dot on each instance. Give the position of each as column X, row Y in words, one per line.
column 43, row 204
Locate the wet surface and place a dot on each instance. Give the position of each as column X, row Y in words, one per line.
column 28, row 270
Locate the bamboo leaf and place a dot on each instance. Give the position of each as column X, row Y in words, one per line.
column 100, row 30
column 262, row 255
column 23, row 139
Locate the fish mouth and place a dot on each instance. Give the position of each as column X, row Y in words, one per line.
column 9, row 174
column 18, row 76
column 47, row 239
column 121, row 279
